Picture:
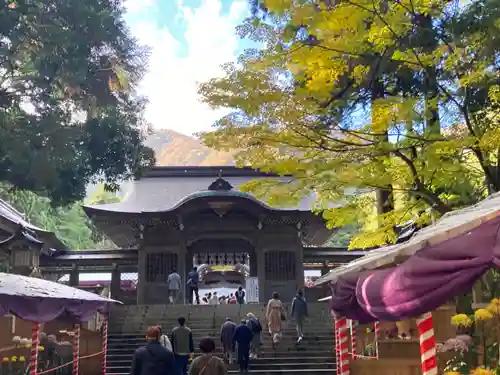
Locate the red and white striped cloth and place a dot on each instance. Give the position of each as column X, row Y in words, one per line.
column 427, row 344
column 342, row 346
column 35, row 342
column 376, row 327
column 105, row 344
column 76, row 350
column 354, row 338
column 336, row 343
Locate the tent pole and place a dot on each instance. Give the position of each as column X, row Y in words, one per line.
column 105, row 343
column 354, row 344
column 427, row 344
column 336, row 346
column 76, row 350
column 343, row 344
column 35, row 342
column 377, row 337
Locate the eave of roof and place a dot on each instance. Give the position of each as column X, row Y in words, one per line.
column 450, row 225
column 206, row 171
column 17, row 220
column 204, row 194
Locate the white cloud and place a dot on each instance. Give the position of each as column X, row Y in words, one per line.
column 171, row 81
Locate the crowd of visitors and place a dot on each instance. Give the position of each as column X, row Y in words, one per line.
column 171, row 356
column 174, row 284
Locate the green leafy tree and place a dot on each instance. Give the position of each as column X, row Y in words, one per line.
column 343, row 236
column 69, row 113
column 70, row 223
column 354, row 97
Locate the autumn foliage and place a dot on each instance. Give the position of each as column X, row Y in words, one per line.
column 390, row 107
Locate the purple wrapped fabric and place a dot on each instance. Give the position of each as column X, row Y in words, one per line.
column 344, row 302
column 425, row 281
column 42, row 301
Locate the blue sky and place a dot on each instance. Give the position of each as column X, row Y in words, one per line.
column 189, row 40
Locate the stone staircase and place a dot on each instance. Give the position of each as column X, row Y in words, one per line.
column 128, row 324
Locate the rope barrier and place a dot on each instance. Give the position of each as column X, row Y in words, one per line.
column 69, row 363
column 359, row 355
column 7, row 348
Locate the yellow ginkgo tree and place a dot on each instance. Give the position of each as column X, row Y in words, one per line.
column 387, row 107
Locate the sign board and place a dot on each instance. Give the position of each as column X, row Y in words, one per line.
column 252, row 290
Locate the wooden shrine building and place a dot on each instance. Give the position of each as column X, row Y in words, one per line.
column 178, row 217
column 22, row 243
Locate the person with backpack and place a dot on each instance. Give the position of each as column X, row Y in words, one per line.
column 299, row 313
column 240, row 296
column 153, row 358
column 192, row 283
column 226, row 337
column 254, row 324
column 243, row 336
column 164, row 341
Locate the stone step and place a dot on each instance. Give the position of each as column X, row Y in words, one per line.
column 132, row 327
column 210, row 325
column 311, row 356
column 280, row 352
column 267, row 349
column 260, row 372
column 287, row 331
column 134, row 309
column 285, row 342
column 254, row 365
column 308, row 340
column 210, row 320
column 119, row 359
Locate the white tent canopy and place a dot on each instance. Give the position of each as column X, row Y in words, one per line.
column 450, row 225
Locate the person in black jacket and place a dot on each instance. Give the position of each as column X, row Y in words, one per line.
column 243, row 336
column 153, row 358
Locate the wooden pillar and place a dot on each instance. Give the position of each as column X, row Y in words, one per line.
column 115, row 286
column 74, row 276
column 261, row 274
column 188, row 266
column 253, row 263
column 141, row 277
column 299, row 265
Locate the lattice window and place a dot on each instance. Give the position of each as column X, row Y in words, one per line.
column 128, row 280
column 280, row 265
column 220, row 258
column 159, row 266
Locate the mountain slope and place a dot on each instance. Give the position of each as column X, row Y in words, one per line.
column 173, row 148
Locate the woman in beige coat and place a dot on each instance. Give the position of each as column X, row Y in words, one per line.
column 275, row 316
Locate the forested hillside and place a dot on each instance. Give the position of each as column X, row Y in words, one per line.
column 72, row 225
column 172, row 148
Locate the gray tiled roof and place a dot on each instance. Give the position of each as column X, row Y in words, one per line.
column 11, row 214
column 155, row 194
column 16, row 218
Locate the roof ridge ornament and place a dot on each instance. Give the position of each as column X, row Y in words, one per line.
column 220, row 184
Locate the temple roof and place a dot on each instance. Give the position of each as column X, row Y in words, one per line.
column 12, row 221
column 127, row 258
column 165, row 189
